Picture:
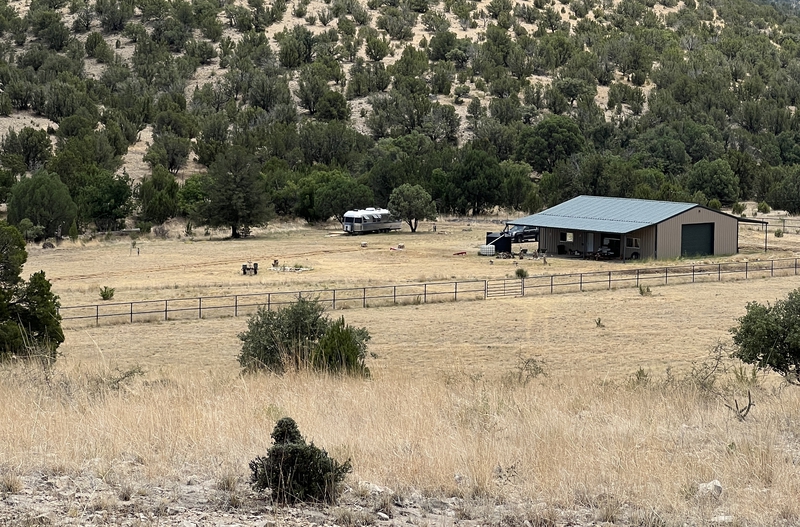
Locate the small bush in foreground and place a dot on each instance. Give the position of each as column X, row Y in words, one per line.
column 107, row 293
column 301, row 336
column 295, row 471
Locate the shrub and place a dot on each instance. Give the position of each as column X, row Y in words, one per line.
column 107, row 293
column 737, row 209
column 714, row 204
column 769, row 336
column 764, row 208
column 521, row 273
column 779, row 233
column 295, row 471
column 301, row 336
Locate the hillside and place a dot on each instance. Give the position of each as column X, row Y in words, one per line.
column 144, row 108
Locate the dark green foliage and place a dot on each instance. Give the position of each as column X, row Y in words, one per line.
column 295, row 471
column 300, row 336
column 30, row 326
column 769, row 336
column 43, row 199
column 333, row 107
column 715, row 179
column 158, row 196
column 312, row 86
column 296, row 46
column 170, row 151
column 27, row 150
column 338, row 193
column 236, row 196
column 73, row 231
column 412, row 203
column 397, row 22
column 553, row 139
column 103, row 198
column 7, row 180
column 114, row 14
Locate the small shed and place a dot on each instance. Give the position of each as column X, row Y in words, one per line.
column 635, row 228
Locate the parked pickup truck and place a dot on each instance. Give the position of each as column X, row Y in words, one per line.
column 523, row 233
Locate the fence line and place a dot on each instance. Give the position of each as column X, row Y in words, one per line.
column 424, row 293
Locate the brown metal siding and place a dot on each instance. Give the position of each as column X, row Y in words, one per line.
column 725, row 232
column 647, row 241
column 550, row 239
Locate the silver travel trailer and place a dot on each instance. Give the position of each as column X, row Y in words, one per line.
column 369, row 220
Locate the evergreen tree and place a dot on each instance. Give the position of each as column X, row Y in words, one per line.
column 236, row 195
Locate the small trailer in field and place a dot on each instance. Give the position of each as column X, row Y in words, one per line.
column 369, row 220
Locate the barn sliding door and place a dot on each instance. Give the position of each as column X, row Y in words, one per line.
column 697, row 239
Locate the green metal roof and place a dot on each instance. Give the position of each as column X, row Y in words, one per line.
column 603, row 214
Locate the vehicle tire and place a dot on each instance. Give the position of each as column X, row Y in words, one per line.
column 635, row 256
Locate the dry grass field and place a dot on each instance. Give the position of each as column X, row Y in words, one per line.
column 450, row 411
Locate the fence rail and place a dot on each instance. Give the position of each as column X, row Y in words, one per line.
column 424, row 293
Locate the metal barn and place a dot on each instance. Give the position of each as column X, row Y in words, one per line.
column 634, row 228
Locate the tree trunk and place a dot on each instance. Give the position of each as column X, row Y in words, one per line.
column 234, row 231
column 414, row 227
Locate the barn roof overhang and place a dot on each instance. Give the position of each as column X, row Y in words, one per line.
column 611, row 215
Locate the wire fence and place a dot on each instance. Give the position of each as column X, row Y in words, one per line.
column 425, row 293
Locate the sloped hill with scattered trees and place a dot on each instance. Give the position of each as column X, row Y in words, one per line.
column 229, row 113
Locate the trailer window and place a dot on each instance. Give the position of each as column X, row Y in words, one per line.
column 348, row 220
column 358, row 220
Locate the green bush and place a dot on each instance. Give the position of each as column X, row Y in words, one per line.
column 764, row 208
column 107, row 293
column 295, row 471
column 521, row 273
column 737, row 209
column 714, row 204
column 301, row 336
column 769, row 336
column 779, row 233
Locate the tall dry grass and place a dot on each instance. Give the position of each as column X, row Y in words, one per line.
column 637, row 446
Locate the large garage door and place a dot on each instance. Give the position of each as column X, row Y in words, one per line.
column 697, row 239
